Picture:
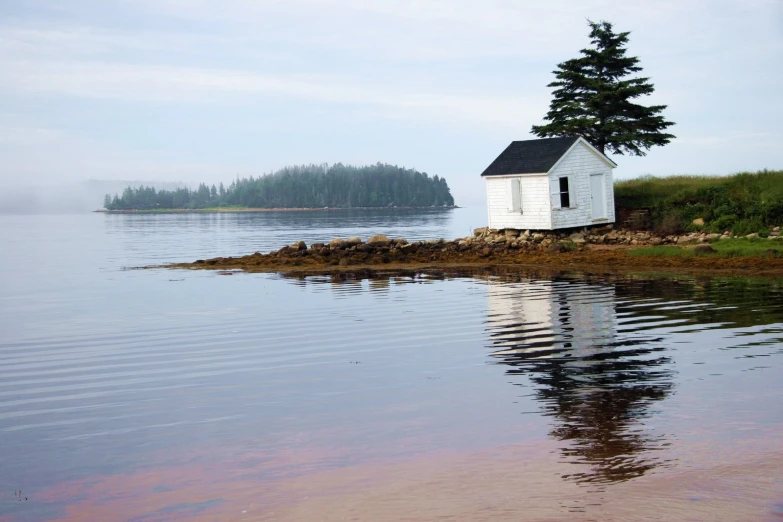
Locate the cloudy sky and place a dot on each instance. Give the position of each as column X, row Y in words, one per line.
column 197, row 90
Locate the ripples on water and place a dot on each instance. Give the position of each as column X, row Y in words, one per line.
column 261, row 378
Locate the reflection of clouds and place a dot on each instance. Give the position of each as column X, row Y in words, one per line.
column 563, row 335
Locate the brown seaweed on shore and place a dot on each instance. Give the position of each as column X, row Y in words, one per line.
column 600, row 251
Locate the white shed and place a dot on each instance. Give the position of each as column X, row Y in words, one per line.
column 548, row 184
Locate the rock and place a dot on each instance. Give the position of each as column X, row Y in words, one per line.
column 699, row 222
column 299, row 245
column 353, row 241
column 337, row 243
column 776, row 229
column 774, row 233
column 379, row 240
column 317, row 246
column 344, row 262
column 751, row 236
column 478, row 232
column 511, row 232
column 576, row 236
column 400, row 241
column 538, row 237
column 410, row 248
column 703, row 249
column 556, row 248
column 711, row 237
column 656, row 241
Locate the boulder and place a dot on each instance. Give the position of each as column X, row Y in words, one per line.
column 711, row 237
column 400, row 241
column 410, row 248
column 337, row 243
column 478, row 232
column 699, row 222
column 556, row 248
column 703, row 249
column 538, row 237
column 379, row 240
column 511, row 232
column 353, row 241
column 317, row 246
column 299, row 245
column 751, row 236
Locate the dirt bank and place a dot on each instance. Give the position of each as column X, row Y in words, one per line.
column 496, row 250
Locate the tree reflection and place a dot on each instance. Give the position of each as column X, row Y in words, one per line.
column 596, row 383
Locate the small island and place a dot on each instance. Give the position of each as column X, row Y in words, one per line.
column 304, row 187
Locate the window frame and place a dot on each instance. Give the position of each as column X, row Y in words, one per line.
column 557, row 193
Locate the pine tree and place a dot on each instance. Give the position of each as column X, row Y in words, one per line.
column 593, row 99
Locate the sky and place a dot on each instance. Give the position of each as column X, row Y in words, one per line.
column 197, row 90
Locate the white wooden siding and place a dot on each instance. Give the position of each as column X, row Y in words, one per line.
column 549, row 314
column 535, row 213
column 578, row 164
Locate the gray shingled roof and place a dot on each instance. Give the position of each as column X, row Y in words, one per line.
column 529, row 157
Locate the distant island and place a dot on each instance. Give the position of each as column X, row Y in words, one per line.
column 299, row 187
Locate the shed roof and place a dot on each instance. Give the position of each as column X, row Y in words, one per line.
column 529, row 156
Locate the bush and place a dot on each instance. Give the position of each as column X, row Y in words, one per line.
column 748, row 226
column 723, row 223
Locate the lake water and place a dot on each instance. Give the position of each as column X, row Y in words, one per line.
column 150, row 395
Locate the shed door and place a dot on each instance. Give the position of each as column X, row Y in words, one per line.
column 598, row 196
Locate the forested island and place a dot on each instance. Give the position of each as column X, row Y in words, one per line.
column 307, row 186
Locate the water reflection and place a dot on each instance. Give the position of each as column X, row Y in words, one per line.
column 562, row 335
column 598, row 354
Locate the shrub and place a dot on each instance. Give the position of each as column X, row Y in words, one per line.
column 748, row 226
column 724, row 222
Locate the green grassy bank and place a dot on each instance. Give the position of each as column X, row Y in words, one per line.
column 742, row 247
column 743, row 203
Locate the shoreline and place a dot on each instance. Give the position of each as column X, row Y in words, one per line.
column 228, row 210
column 492, row 252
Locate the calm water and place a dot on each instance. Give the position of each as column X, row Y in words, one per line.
column 174, row 395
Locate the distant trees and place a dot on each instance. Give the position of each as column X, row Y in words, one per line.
column 594, row 95
column 310, row 186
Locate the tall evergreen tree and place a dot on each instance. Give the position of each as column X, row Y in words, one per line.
column 593, row 98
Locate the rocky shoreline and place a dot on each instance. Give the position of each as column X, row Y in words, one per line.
column 597, row 250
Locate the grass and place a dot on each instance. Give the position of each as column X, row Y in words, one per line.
column 742, row 203
column 755, row 247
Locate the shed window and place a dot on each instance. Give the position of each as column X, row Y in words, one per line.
column 516, row 195
column 562, row 193
column 565, row 199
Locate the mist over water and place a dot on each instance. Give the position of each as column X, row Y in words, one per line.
column 179, row 395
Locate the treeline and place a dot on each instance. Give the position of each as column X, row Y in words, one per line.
column 310, row 186
column 742, row 203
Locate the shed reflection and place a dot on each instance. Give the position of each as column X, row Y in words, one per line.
column 561, row 336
